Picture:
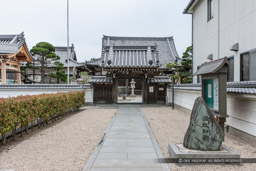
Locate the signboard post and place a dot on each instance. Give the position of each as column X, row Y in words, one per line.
column 214, row 87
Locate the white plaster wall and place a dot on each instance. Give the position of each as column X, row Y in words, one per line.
column 237, row 24
column 23, row 92
column 240, row 108
column 205, row 34
column 89, row 95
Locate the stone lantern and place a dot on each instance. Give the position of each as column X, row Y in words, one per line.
column 133, row 87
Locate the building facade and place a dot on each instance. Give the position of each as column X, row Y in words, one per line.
column 132, row 69
column 225, row 28
column 13, row 52
column 75, row 67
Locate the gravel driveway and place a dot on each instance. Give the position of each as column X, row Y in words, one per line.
column 64, row 146
column 171, row 125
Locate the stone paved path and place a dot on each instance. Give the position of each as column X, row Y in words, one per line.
column 129, row 144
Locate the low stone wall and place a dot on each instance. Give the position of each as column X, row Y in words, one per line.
column 241, row 109
column 14, row 90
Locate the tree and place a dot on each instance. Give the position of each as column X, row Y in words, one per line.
column 184, row 69
column 186, row 66
column 59, row 72
column 42, row 52
column 24, row 73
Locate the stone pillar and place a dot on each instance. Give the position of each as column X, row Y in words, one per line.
column 3, row 71
column 127, row 85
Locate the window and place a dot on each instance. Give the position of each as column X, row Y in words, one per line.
column 231, row 69
column 248, row 66
column 210, row 9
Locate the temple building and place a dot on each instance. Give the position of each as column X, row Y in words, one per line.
column 13, row 51
column 75, row 67
column 132, row 69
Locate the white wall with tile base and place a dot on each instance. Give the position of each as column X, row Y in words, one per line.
column 240, row 108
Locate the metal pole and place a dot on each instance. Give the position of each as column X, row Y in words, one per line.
column 67, row 41
column 173, row 91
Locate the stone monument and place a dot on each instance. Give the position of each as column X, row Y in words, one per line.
column 204, row 133
column 203, row 138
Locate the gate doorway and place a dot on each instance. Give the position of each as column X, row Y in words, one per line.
column 156, row 93
column 130, row 90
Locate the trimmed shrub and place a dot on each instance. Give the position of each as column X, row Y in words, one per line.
column 20, row 112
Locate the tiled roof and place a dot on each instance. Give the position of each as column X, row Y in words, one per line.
column 43, row 86
column 160, row 79
column 6, row 49
column 243, row 87
column 100, row 79
column 211, row 67
column 162, row 49
column 97, row 61
column 141, row 57
column 61, row 51
column 17, row 39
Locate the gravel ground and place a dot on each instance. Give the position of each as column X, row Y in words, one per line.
column 64, row 146
column 171, row 125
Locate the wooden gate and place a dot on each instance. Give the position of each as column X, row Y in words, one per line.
column 156, row 93
column 102, row 93
column 161, row 94
column 152, row 94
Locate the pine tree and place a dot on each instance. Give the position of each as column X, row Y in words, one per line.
column 42, row 52
column 186, row 66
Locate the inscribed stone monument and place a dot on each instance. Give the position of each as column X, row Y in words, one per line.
column 204, row 133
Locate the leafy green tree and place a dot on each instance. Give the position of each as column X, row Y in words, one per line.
column 186, row 66
column 42, row 52
column 59, row 72
column 23, row 71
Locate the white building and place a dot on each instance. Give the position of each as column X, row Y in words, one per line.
column 225, row 28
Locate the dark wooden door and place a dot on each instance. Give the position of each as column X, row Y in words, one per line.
column 102, row 93
column 161, row 94
column 152, row 93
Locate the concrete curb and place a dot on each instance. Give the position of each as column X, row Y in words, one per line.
column 95, row 153
column 155, row 144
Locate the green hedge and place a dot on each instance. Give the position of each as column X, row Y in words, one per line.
column 24, row 110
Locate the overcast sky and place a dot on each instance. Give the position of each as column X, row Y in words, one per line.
column 45, row 20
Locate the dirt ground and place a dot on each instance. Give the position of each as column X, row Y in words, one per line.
column 66, row 145
column 171, row 125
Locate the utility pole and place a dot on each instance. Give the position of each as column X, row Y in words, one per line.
column 67, row 41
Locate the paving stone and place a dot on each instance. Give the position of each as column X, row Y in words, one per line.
column 128, row 145
column 126, row 163
column 139, row 155
column 112, row 156
column 115, row 144
column 139, row 135
column 141, row 149
column 144, row 169
column 113, row 149
column 140, row 144
column 108, row 169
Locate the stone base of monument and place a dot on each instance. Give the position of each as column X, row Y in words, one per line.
column 177, row 150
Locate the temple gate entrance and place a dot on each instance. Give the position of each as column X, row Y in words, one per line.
column 130, row 90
